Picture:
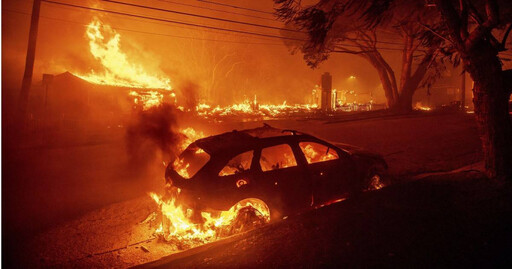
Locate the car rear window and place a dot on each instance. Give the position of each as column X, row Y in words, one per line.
column 190, row 161
column 277, row 157
column 315, row 152
column 238, row 164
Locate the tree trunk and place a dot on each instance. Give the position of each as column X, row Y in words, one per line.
column 507, row 77
column 404, row 102
column 384, row 78
column 491, row 109
column 410, row 83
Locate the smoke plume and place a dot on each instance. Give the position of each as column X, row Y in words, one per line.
column 152, row 133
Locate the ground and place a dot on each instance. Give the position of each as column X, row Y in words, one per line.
column 111, row 228
column 456, row 220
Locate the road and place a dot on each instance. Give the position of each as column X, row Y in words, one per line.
column 83, row 204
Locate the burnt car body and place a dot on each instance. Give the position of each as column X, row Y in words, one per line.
column 289, row 171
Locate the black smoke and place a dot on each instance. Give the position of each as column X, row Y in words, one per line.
column 152, row 134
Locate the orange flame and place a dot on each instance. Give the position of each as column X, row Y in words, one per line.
column 119, row 71
column 177, row 225
column 420, row 106
column 252, row 108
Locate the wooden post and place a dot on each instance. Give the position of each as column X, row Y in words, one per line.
column 29, row 64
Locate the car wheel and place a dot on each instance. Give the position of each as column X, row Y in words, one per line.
column 257, row 206
column 251, row 213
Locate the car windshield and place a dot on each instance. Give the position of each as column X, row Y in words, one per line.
column 191, row 161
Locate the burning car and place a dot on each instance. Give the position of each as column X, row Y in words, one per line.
column 279, row 171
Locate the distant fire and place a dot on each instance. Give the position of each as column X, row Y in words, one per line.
column 252, row 109
column 420, row 106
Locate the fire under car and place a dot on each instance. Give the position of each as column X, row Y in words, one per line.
column 283, row 171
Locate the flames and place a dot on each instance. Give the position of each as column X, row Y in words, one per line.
column 118, row 70
column 180, row 225
column 420, row 106
column 186, row 228
column 253, row 109
column 190, row 135
column 313, row 155
column 149, row 90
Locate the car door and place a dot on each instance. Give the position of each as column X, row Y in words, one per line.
column 291, row 185
column 236, row 179
column 329, row 170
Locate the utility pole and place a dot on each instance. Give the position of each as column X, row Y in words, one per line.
column 463, row 91
column 29, row 64
column 464, row 26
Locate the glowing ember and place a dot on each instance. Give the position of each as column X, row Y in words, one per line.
column 376, row 183
column 177, row 225
column 419, row 106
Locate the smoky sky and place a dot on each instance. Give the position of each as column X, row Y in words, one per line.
column 225, row 67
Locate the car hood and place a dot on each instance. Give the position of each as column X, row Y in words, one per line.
column 358, row 151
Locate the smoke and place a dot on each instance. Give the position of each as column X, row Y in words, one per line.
column 152, row 134
column 189, row 94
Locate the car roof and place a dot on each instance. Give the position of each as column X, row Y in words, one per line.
column 244, row 139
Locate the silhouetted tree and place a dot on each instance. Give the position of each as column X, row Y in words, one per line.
column 333, row 26
column 466, row 29
column 478, row 49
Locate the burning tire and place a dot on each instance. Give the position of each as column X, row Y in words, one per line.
column 253, row 206
column 251, row 213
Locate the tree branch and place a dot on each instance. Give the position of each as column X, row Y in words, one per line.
column 451, row 17
column 475, row 14
column 464, row 19
column 391, row 73
column 484, row 29
column 436, row 33
column 504, row 40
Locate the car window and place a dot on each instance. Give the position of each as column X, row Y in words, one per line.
column 238, row 164
column 190, row 161
column 315, row 152
column 277, row 157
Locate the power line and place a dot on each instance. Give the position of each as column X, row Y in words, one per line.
column 152, row 33
column 169, row 35
column 196, row 25
column 217, row 10
column 172, row 21
column 199, row 16
column 167, row 24
column 234, row 6
column 226, row 20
